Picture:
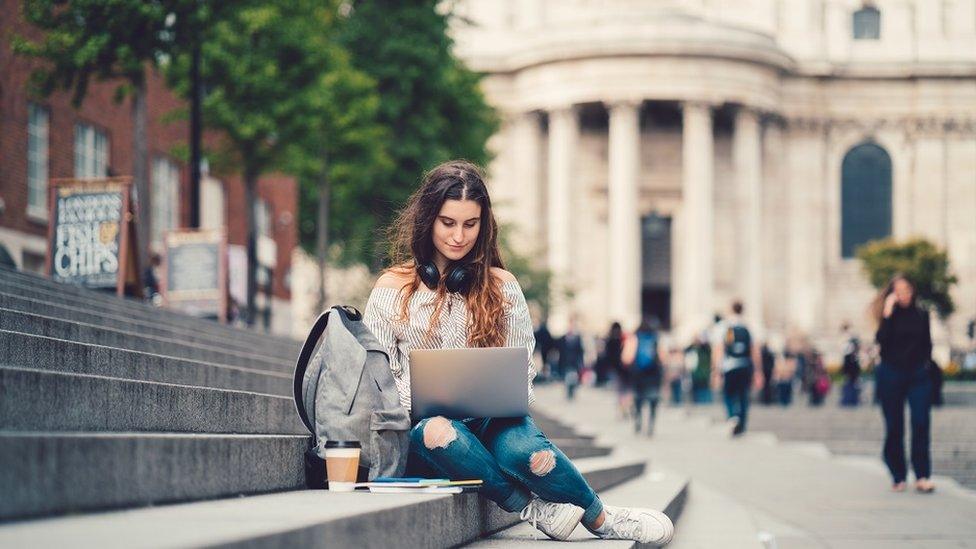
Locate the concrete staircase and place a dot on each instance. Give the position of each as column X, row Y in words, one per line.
column 126, row 425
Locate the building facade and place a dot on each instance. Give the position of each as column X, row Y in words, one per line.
column 46, row 138
column 666, row 157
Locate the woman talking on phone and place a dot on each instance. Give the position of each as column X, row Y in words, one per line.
column 447, row 288
column 906, row 350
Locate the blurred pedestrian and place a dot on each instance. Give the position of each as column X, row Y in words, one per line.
column 819, row 378
column 571, row 355
column 698, row 360
column 612, row 352
column 737, row 357
column 903, row 375
column 545, row 345
column 850, row 393
column 676, row 373
column 768, row 361
column 644, row 356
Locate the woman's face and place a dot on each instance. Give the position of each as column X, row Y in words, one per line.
column 903, row 292
column 456, row 228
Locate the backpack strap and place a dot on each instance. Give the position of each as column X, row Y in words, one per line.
column 318, row 328
column 306, row 354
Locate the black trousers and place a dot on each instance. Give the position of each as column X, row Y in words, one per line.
column 894, row 387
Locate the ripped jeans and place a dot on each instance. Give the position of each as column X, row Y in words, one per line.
column 511, row 455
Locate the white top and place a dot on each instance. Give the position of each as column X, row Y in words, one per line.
column 399, row 337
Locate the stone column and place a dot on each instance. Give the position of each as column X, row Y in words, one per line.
column 563, row 137
column 526, row 182
column 624, row 216
column 747, row 158
column 697, row 156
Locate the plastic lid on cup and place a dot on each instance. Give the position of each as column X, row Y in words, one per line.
column 331, row 444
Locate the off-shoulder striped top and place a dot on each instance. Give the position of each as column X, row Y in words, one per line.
column 399, row 336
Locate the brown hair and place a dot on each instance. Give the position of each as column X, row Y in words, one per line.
column 411, row 244
column 877, row 304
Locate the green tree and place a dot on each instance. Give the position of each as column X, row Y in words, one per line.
column 924, row 263
column 105, row 40
column 431, row 104
column 270, row 71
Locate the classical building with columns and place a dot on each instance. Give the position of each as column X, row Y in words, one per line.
column 666, row 157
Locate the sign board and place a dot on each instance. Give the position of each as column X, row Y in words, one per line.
column 195, row 272
column 91, row 236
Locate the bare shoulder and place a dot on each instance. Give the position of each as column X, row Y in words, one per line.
column 502, row 275
column 396, row 278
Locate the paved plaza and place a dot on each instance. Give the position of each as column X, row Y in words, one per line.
column 790, row 494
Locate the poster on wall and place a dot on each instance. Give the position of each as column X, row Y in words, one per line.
column 91, row 236
column 194, row 277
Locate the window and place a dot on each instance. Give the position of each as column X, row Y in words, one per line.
column 865, row 197
column 37, row 160
column 91, row 152
column 165, row 180
column 867, row 23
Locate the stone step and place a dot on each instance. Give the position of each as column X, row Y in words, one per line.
column 33, row 286
column 38, row 400
column 665, row 492
column 121, row 322
column 55, row 473
column 88, row 333
column 40, row 352
column 305, row 518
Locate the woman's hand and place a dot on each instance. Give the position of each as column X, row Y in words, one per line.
column 889, row 304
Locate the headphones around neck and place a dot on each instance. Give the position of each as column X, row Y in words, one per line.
column 457, row 279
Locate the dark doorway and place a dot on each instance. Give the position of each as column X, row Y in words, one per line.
column 656, row 268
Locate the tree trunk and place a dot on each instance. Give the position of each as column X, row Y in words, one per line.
column 140, row 176
column 322, row 236
column 250, row 199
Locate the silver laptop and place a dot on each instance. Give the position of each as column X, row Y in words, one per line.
column 463, row 383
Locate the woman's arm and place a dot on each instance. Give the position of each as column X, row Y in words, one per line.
column 519, row 327
column 382, row 305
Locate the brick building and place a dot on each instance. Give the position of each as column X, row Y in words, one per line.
column 45, row 138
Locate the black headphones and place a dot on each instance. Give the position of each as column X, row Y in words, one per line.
column 457, row 279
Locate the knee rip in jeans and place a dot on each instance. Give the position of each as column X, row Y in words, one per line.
column 438, row 433
column 542, row 463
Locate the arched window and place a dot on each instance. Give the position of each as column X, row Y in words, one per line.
column 865, row 197
column 867, row 23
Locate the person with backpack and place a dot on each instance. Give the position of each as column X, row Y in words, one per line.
column 645, row 358
column 736, row 357
column 447, row 288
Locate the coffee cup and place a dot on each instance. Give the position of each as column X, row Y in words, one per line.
column 342, row 464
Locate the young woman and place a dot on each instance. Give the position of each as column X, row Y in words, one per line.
column 906, row 350
column 448, row 289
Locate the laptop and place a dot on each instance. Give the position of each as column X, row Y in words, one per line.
column 469, row 383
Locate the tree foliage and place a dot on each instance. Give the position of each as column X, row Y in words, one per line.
column 100, row 39
column 429, row 102
column 922, row 262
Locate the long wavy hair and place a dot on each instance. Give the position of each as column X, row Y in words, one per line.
column 877, row 304
column 411, row 243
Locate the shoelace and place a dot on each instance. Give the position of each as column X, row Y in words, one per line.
column 624, row 526
column 535, row 512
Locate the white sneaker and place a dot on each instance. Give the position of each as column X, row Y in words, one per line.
column 556, row 520
column 637, row 524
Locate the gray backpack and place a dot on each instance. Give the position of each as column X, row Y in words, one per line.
column 347, row 392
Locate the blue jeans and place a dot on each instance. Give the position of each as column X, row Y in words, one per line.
column 738, row 381
column 502, row 453
column 894, row 386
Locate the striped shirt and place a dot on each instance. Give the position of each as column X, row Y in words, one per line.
column 399, row 336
